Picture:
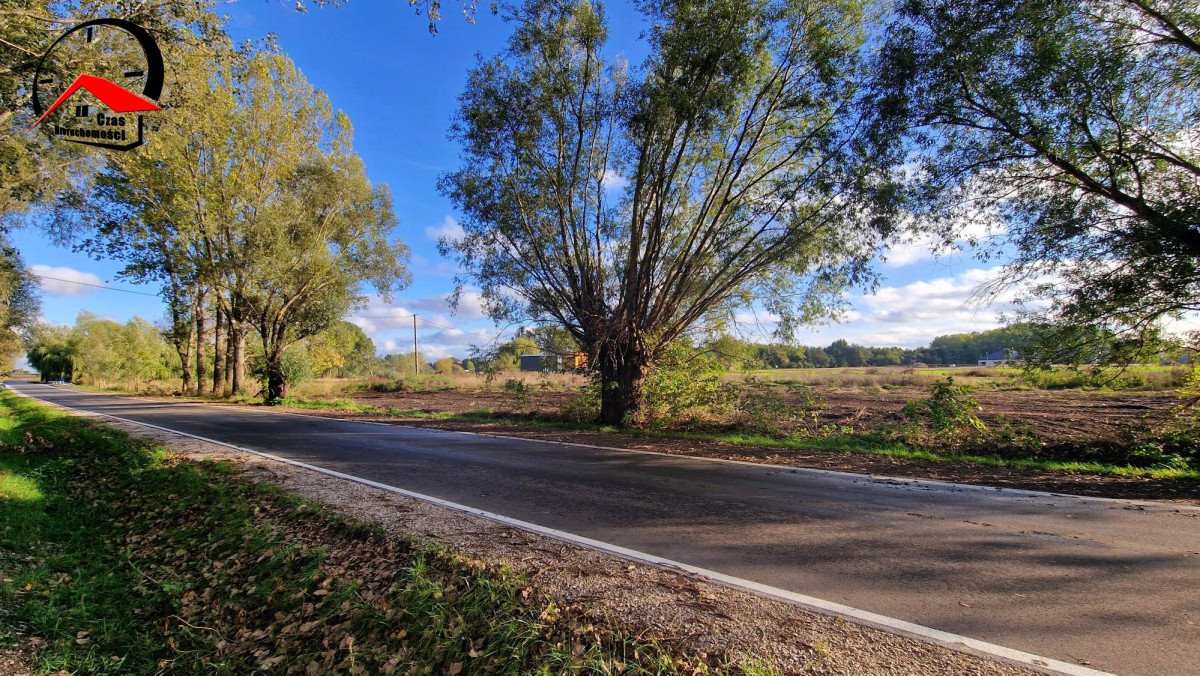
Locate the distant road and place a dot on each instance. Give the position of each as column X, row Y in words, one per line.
column 1113, row 583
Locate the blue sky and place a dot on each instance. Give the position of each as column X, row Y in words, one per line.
column 399, row 85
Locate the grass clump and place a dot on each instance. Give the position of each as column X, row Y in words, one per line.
column 117, row 558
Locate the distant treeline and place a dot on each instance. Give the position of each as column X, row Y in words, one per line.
column 958, row 348
column 955, row 348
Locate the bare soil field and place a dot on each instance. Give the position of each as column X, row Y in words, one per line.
column 1055, row 416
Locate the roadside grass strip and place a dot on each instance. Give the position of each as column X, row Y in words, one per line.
column 118, row 557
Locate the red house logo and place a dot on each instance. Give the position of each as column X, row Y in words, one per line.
column 107, row 112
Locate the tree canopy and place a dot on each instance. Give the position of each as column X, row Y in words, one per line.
column 251, row 208
column 1072, row 126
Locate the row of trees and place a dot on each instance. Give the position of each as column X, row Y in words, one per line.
column 19, row 304
column 960, row 348
column 248, row 206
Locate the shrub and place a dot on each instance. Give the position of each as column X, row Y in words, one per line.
column 948, row 417
column 949, row 407
column 684, row 384
column 759, row 405
column 584, row 406
column 518, row 389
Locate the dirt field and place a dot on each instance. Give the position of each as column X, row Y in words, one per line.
column 1056, row 417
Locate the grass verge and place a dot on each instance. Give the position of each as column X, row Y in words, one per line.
column 116, row 557
column 842, row 443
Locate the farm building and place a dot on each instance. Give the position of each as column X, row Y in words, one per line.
column 543, row 363
column 998, row 357
column 539, row 363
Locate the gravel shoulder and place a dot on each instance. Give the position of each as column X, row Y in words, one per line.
column 689, row 614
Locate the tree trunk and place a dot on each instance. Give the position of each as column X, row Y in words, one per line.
column 238, row 333
column 276, row 383
column 201, row 342
column 218, row 382
column 229, row 357
column 622, row 381
column 181, row 332
column 183, row 348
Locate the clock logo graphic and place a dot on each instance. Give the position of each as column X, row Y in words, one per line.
column 111, row 72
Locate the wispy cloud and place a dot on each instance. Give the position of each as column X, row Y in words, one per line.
column 63, row 281
column 449, row 229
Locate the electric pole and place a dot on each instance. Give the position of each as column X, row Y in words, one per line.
column 415, row 353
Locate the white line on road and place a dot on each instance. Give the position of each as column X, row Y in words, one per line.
column 890, row 624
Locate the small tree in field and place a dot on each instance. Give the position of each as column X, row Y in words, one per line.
column 628, row 208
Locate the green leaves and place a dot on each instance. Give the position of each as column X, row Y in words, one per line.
column 628, row 209
column 251, row 195
column 1073, row 123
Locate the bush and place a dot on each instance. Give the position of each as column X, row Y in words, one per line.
column 584, row 407
column 758, row 405
column 949, row 417
column 685, row 385
column 518, row 389
column 949, row 407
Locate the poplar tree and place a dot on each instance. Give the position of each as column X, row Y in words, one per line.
column 250, row 192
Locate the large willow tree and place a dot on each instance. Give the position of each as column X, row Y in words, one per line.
column 630, row 204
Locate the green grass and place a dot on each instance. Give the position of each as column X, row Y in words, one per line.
column 117, row 559
column 870, row 445
column 15, row 486
column 864, row 444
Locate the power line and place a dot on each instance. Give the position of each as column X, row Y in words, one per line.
column 455, row 328
column 97, row 286
column 485, row 334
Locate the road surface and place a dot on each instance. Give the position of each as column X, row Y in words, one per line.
column 1112, row 584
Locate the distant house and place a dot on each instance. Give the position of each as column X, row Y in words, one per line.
column 539, row 363
column 544, row 363
column 998, row 357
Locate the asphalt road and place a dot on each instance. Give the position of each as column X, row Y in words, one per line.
column 1113, row 584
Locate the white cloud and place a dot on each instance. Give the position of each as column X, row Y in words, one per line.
column 905, row 315
column 63, row 281
column 442, row 331
column 967, row 231
column 449, row 229
column 611, row 180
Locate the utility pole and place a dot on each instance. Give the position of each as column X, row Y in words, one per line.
column 415, row 353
